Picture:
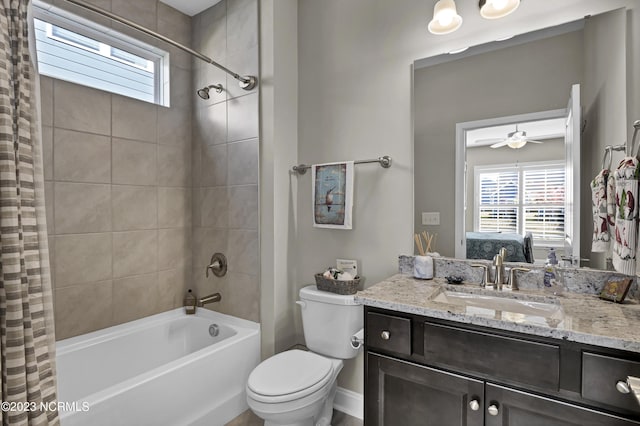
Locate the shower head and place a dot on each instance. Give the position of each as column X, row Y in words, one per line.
column 204, row 92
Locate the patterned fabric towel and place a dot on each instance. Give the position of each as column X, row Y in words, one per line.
column 601, row 196
column 626, row 216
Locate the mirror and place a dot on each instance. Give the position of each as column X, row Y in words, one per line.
column 529, row 74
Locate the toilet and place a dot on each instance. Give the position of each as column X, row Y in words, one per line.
column 296, row 387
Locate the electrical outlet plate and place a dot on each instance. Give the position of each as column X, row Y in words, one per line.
column 431, row 218
column 347, row 265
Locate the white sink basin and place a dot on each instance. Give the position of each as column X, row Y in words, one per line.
column 504, row 308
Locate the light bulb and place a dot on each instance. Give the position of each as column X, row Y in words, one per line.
column 446, row 17
column 499, row 4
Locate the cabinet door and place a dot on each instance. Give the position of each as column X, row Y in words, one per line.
column 508, row 407
column 399, row 393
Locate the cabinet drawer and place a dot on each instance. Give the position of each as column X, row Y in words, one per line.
column 389, row 333
column 499, row 357
column 599, row 377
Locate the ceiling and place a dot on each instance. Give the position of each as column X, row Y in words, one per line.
column 190, row 7
column 537, row 130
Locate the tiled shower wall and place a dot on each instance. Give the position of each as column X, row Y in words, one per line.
column 118, row 189
column 225, row 158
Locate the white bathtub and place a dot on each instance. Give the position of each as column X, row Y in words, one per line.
column 161, row 370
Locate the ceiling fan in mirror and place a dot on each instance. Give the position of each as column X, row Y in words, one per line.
column 516, row 140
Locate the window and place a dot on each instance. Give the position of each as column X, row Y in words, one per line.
column 74, row 49
column 527, row 197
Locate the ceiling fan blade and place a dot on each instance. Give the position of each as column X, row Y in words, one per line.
column 532, row 141
column 500, row 144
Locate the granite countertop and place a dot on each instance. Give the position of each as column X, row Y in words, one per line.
column 587, row 319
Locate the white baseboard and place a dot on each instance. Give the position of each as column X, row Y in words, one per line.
column 349, row 402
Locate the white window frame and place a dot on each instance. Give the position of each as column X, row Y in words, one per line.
column 107, row 37
column 520, row 205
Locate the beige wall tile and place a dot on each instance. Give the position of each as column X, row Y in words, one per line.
column 206, row 242
column 104, row 4
column 242, row 119
column 46, row 100
column 243, row 207
column 47, row 152
column 134, row 297
column 133, row 119
column 240, row 297
column 174, row 126
column 182, row 90
column 211, row 124
column 243, row 162
column 134, row 207
column 174, row 207
column 173, row 165
column 81, row 108
column 82, row 207
column 213, row 165
column 133, row 163
column 83, row 308
column 82, row 258
column 243, row 252
column 174, row 248
column 48, row 206
column 142, row 12
column 81, row 157
column 135, row 253
column 214, row 207
column 172, row 288
column 242, row 25
column 244, row 63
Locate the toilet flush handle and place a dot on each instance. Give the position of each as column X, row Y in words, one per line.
column 301, row 303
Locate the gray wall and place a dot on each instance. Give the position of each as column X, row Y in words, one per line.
column 117, row 179
column 604, row 100
column 532, row 77
column 355, row 101
column 225, row 158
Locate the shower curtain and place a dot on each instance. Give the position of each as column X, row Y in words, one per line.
column 27, row 341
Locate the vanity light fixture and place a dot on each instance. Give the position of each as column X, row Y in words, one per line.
column 445, row 18
column 495, row 9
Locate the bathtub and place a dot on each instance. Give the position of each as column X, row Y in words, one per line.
column 166, row 369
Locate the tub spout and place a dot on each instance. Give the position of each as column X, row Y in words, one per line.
column 215, row 297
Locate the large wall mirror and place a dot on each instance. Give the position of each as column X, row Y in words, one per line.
column 496, row 140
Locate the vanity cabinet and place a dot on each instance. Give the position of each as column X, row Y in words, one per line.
column 425, row 371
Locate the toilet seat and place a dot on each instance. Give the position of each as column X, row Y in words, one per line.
column 289, row 376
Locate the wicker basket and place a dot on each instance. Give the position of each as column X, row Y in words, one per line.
column 337, row 286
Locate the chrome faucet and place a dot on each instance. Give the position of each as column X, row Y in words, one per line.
column 512, row 283
column 212, row 298
column 498, row 264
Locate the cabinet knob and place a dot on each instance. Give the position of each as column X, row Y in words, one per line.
column 385, row 335
column 622, row 386
column 493, row 409
column 474, row 405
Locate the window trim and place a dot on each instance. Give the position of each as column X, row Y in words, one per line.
column 56, row 16
column 519, row 167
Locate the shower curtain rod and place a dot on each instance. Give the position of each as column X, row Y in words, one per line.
column 247, row 82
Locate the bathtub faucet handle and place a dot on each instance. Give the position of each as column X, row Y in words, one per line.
column 217, row 265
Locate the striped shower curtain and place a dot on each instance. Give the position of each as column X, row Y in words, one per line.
column 27, row 342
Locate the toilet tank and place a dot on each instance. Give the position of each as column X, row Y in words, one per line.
column 329, row 320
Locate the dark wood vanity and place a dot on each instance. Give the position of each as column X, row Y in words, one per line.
column 425, row 371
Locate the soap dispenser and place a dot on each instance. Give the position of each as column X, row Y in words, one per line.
column 190, row 303
column 552, row 280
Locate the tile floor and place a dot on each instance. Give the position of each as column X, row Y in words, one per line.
column 249, row 419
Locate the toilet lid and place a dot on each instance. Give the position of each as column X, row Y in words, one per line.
column 289, row 372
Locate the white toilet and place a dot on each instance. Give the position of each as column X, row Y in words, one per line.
column 297, row 388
